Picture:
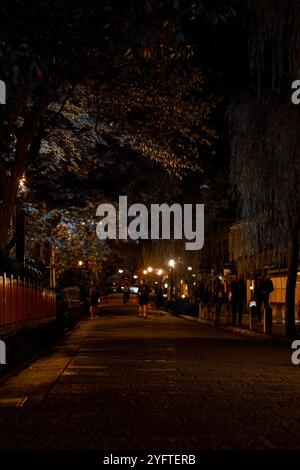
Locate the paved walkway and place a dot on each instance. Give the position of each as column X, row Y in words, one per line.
column 124, row 383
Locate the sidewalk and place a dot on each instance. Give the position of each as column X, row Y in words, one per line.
column 25, row 340
column 257, row 331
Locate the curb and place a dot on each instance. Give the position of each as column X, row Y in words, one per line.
column 236, row 330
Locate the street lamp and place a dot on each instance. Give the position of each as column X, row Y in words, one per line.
column 145, row 272
column 121, row 271
column 150, row 270
column 171, row 265
column 190, row 269
column 159, row 272
column 80, row 263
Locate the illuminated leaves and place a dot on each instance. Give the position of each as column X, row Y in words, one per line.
column 166, row 120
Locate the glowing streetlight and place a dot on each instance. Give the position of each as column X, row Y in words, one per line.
column 159, row 272
column 121, row 271
column 135, row 276
column 190, row 268
column 80, row 263
column 150, row 269
column 145, row 271
column 171, row 265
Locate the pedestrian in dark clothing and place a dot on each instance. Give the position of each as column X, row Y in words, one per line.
column 94, row 300
column 159, row 296
column 219, row 298
column 126, row 294
column 143, row 299
column 264, row 287
column 238, row 294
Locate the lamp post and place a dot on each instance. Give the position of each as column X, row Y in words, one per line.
column 171, row 266
column 190, row 269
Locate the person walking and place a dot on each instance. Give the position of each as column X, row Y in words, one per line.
column 159, row 296
column 234, row 298
column 219, row 298
column 126, row 294
column 94, row 300
column 143, row 299
column 263, row 290
column 238, row 294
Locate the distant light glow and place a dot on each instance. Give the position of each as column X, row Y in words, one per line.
column 22, row 183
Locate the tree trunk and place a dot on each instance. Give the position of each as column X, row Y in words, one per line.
column 24, row 148
column 11, row 190
column 290, row 326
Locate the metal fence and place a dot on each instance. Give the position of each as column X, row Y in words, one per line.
column 23, row 300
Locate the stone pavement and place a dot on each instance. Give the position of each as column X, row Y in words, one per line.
column 124, row 383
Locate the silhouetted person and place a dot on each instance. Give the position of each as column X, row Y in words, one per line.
column 126, row 294
column 219, row 298
column 238, row 294
column 94, row 299
column 263, row 290
column 159, row 296
column 143, row 299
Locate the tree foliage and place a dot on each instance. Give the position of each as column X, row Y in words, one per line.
column 265, row 141
column 265, row 169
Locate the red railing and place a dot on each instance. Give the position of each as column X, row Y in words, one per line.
column 22, row 300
